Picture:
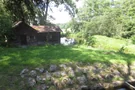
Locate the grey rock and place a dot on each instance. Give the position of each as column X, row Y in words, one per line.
column 82, row 80
column 96, row 71
column 56, row 74
column 48, row 75
column 71, row 73
column 66, row 81
column 69, row 68
column 31, row 81
column 40, row 79
column 79, row 70
column 41, row 70
column 122, row 89
column 97, row 87
column 53, row 68
column 69, row 82
column 67, row 89
column 54, row 81
column 63, row 73
column 77, row 87
column 63, row 66
column 99, row 77
column 109, row 77
column 85, row 70
column 84, row 87
column 133, row 73
column 116, row 83
column 94, row 79
column 33, row 73
column 42, row 87
column 116, row 72
column 24, row 72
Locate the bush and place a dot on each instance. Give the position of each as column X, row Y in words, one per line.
column 133, row 39
column 91, row 41
column 78, row 38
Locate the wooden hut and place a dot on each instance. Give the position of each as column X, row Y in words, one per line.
column 29, row 35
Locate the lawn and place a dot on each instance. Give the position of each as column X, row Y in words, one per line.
column 13, row 60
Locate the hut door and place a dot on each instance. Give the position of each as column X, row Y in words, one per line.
column 23, row 40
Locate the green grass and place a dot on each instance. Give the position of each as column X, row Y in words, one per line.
column 130, row 48
column 107, row 43
column 13, row 60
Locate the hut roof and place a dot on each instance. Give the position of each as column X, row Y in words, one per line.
column 23, row 28
column 42, row 29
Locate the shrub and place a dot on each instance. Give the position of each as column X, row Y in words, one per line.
column 91, row 41
column 78, row 38
column 133, row 39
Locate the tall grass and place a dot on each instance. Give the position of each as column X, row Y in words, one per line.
column 108, row 43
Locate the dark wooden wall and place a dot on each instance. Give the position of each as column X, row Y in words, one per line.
column 49, row 37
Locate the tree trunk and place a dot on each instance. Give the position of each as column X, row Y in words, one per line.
column 46, row 11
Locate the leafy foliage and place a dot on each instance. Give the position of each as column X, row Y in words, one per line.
column 20, row 9
column 28, row 10
column 104, row 17
column 5, row 24
column 133, row 39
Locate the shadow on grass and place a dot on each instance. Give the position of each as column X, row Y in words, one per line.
column 15, row 59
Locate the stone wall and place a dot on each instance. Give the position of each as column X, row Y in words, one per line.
column 79, row 76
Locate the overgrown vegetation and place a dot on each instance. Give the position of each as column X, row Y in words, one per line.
column 5, row 25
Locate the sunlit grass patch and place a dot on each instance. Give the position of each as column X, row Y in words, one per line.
column 108, row 43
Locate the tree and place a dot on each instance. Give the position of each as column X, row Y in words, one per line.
column 46, row 5
column 5, row 24
column 20, row 9
column 100, row 17
column 128, row 7
column 26, row 10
